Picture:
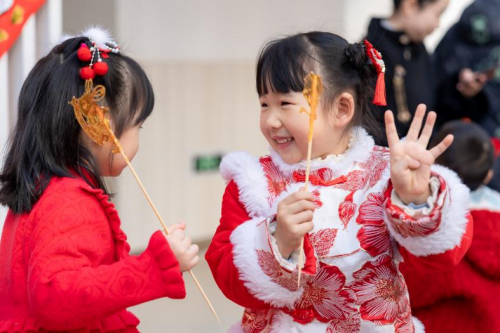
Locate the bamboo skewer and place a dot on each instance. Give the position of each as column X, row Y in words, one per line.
column 313, row 87
column 117, row 144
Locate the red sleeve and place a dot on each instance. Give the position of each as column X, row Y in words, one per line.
column 443, row 261
column 220, row 253
column 73, row 275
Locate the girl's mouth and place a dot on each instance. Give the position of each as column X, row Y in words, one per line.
column 283, row 143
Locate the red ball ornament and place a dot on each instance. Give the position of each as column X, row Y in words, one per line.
column 101, row 68
column 87, row 73
column 84, row 53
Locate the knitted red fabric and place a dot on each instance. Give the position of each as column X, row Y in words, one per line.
column 467, row 297
column 65, row 266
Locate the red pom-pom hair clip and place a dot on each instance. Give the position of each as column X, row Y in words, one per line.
column 378, row 63
column 100, row 68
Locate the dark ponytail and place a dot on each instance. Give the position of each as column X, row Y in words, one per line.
column 46, row 139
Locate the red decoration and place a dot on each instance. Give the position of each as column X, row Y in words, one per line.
column 101, row 68
column 378, row 63
column 84, row 53
column 87, row 73
column 12, row 21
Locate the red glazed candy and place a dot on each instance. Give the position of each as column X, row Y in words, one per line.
column 101, row 68
column 87, row 73
column 84, row 53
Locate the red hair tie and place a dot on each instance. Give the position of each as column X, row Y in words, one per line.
column 378, row 63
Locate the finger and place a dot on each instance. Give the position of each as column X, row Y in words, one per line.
column 305, row 228
column 178, row 226
column 302, row 217
column 442, row 146
column 427, row 131
column 193, row 250
column 416, row 123
column 187, row 242
column 178, row 234
column 194, row 262
column 390, row 129
column 298, row 196
column 300, row 206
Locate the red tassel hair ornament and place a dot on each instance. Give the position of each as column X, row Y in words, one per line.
column 378, row 63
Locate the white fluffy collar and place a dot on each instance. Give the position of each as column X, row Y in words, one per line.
column 358, row 150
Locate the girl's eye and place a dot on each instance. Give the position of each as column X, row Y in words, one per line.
column 285, row 103
column 263, row 105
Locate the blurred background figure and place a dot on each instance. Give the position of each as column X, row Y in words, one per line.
column 410, row 75
column 467, row 297
column 469, row 54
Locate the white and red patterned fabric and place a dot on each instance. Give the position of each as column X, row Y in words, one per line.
column 350, row 280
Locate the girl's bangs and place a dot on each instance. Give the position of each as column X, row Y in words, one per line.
column 281, row 68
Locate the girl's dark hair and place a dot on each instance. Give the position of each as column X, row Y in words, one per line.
column 344, row 67
column 46, row 139
column 471, row 155
column 397, row 3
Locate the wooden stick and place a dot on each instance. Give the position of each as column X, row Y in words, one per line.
column 306, row 185
column 162, row 223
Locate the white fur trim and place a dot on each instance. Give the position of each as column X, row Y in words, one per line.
column 359, row 150
column 248, row 174
column 98, row 34
column 246, row 239
column 453, row 220
column 484, row 198
column 419, row 326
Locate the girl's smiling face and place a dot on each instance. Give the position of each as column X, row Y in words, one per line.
column 286, row 128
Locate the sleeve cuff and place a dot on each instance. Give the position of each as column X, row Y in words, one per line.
column 419, row 211
column 167, row 264
column 290, row 263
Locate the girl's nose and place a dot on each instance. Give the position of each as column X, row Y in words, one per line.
column 273, row 121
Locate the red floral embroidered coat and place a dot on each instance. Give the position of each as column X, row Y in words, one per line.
column 65, row 266
column 470, row 292
column 351, row 281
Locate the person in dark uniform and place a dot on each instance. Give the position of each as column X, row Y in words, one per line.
column 410, row 76
column 470, row 53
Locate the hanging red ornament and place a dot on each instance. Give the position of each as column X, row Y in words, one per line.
column 100, row 68
column 87, row 73
column 376, row 59
column 84, row 53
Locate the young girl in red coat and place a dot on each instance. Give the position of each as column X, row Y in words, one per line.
column 367, row 210
column 64, row 261
column 465, row 298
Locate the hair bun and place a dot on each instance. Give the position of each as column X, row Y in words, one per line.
column 356, row 55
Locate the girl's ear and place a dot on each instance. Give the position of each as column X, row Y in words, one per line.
column 344, row 105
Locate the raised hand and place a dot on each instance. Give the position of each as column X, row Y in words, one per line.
column 410, row 160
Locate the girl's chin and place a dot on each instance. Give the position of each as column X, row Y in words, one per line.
column 290, row 159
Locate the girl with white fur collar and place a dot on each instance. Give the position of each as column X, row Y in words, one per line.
column 368, row 209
